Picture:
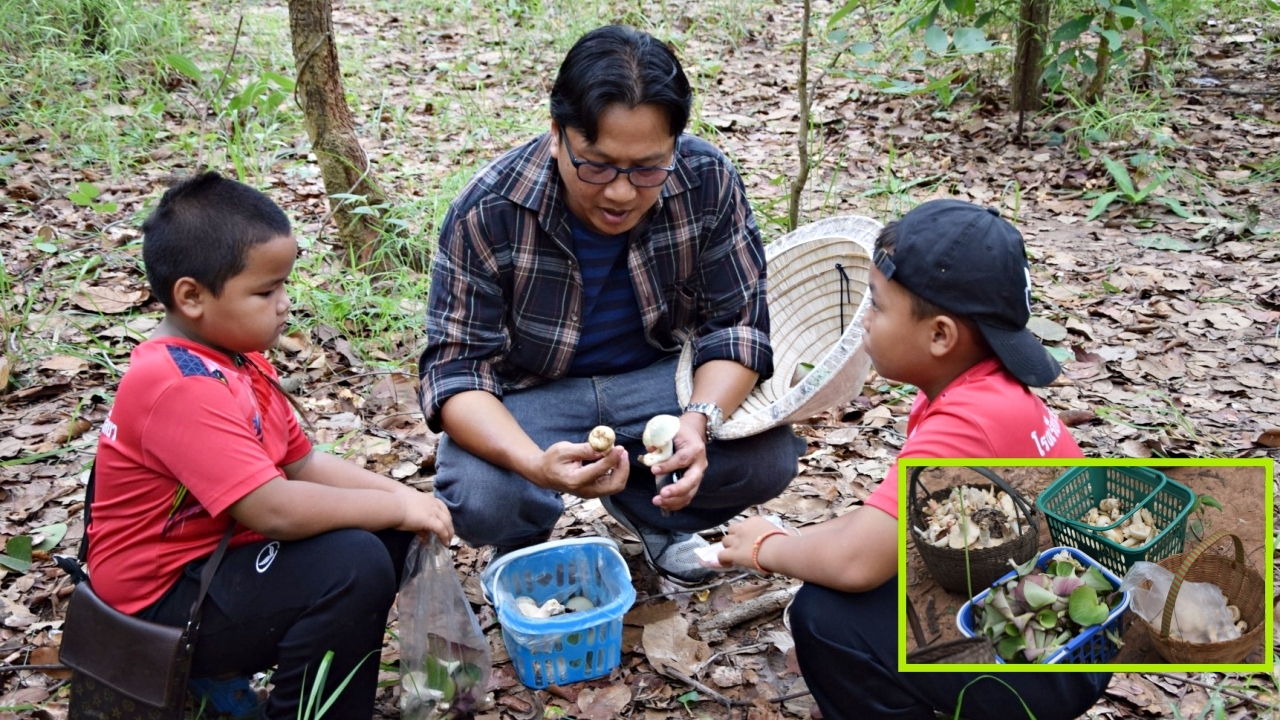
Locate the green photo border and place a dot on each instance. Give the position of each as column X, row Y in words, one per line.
column 1268, row 466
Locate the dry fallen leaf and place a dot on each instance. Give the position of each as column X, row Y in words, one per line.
column 1269, row 438
column 668, row 646
column 64, row 363
column 108, row 300
column 604, row 703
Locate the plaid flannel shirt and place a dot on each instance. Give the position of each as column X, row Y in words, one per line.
column 504, row 310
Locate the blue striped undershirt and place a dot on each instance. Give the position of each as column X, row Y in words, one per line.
column 613, row 338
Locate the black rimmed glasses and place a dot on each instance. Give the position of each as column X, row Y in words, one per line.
column 594, row 173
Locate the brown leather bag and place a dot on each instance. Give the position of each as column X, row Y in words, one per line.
column 124, row 667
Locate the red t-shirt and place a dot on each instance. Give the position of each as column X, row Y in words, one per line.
column 189, row 435
column 984, row 413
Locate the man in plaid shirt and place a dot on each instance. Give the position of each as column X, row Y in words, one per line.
column 570, row 272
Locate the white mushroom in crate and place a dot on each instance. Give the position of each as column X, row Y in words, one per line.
column 1136, row 530
column 657, row 437
column 989, row 520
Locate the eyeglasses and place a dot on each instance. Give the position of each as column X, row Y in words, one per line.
column 595, row 173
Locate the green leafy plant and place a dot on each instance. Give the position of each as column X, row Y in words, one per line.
column 1198, row 508
column 1109, row 21
column 1127, row 191
column 20, row 549
column 308, row 709
column 85, row 195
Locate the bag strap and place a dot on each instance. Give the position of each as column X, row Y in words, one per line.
column 206, row 579
column 83, row 554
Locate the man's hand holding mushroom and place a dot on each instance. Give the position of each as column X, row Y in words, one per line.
column 688, row 452
column 579, row 469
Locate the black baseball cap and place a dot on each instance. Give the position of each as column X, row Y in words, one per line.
column 970, row 261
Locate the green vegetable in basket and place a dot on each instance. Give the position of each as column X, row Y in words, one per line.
column 1096, row 580
column 1037, row 596
column 1085, row 608
column 1031, row 618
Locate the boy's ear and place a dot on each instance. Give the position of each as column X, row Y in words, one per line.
column 189, row 298
column 555, row 140
column 944, row 335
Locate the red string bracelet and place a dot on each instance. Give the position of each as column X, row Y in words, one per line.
column 755, row 548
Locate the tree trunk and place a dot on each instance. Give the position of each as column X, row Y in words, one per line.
column 802, row 177
column 1028, row 63
column 330, row 125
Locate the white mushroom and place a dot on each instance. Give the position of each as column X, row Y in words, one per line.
column 601, row 439
column 1108, row 505
column 1115, row 535
column 1235, row 613
column 1146, row 517
column 578, row 603
column 529, row 608
column 658, row 434
column 1243, row 627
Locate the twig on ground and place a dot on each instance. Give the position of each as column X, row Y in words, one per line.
column 1228, row 91
column 699, row 588
column 1222, row 690
column 4, row 669
column 722, row 699
column 749, row 610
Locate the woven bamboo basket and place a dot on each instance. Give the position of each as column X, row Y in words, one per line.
column 817, row 298
column 1241, row 584
column 986, row 565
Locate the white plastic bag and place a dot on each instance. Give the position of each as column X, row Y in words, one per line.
column 1200, row 615
column 444, row 658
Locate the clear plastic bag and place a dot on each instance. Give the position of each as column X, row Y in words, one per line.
column 444, row 657
column 1200, row 615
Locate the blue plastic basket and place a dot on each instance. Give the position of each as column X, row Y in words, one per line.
column 575, row 646
column 1090, row 646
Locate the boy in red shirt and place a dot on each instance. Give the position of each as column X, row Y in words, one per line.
column 950, row 300
column 201, row 437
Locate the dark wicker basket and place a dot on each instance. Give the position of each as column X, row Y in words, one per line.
column 986, row 565
column 967, row 651
column 1243, row 587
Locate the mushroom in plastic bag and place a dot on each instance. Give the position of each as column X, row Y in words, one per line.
column 1201, row 614
column 444, row 657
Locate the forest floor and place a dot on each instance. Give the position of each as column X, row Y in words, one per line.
column 1166, row 316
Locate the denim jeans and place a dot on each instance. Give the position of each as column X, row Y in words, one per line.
column 495, row 506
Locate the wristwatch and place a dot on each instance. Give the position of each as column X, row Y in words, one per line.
column 715, row 418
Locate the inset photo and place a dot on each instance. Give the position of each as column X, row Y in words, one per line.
column 1136, row 565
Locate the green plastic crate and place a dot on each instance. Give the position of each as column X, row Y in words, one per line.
column 1070, row 497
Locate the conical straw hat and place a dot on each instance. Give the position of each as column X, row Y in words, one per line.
column 817, row 299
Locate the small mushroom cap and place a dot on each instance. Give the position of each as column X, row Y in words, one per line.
column 601, row 438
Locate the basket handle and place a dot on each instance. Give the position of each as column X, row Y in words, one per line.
column 913, row 619
column 1180, row 576
column 1019, row 502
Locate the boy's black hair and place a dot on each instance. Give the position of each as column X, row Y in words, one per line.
column 887, row 240
column 203, row 229
column 618, row 64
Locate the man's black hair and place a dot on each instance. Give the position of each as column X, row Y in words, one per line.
column 203, row 229
column 618, row 64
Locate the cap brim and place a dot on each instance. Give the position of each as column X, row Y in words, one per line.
column 1022, row 355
